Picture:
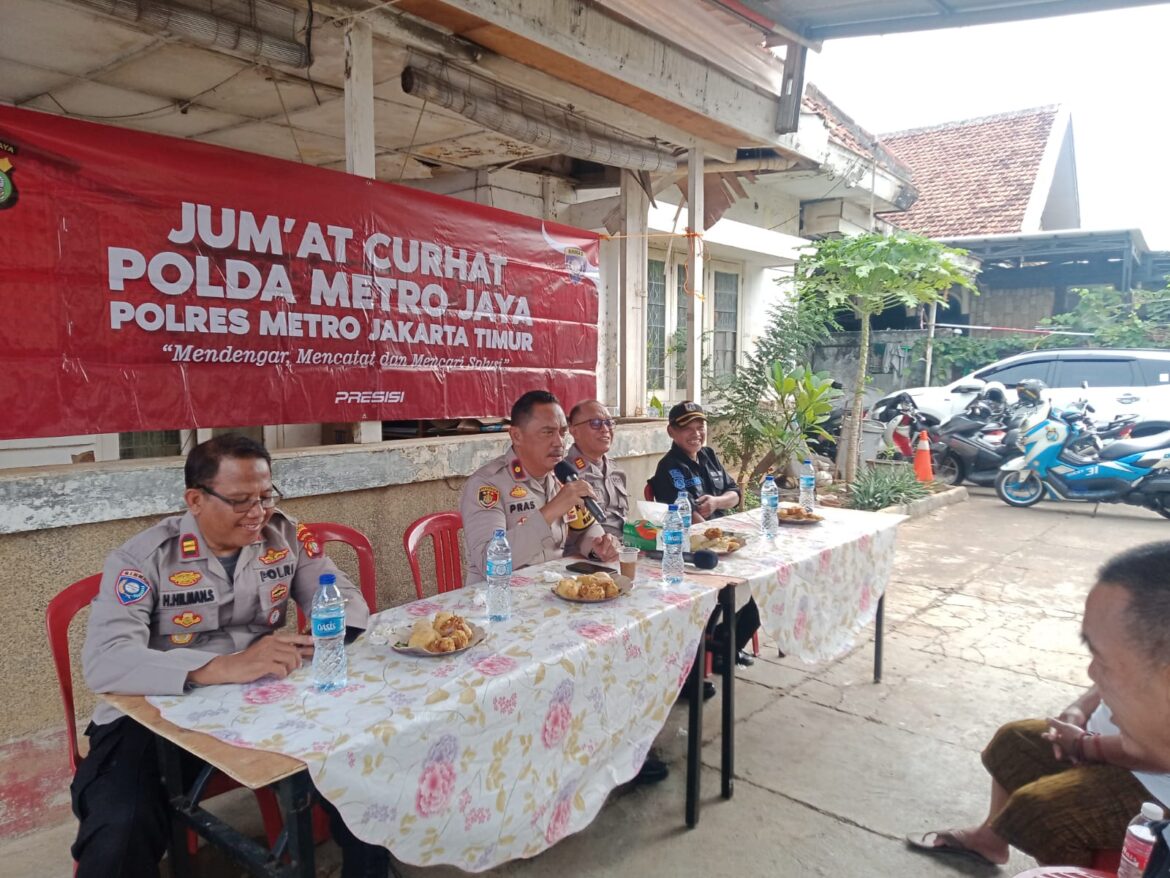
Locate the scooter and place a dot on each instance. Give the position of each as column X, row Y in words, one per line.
column 903, row 423
column 1132, row 471
column 972, row 447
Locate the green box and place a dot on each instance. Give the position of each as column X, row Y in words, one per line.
column 640, row 533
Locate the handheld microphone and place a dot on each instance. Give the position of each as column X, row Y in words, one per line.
column 704, row 559
column 564, row 473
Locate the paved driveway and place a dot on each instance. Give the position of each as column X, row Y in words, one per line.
column 983, row 619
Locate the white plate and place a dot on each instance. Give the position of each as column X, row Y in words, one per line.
column 401, row 636
column 740, row 537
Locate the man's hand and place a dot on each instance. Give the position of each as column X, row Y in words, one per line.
column 606, row 547
column 704, row 506
column 1074, row 716
column 277, row 655
column 566, row 498
column 1065, row 738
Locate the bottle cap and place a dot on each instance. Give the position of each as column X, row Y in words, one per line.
column 769, row 478
column 500, row 532
column 328, row 579
column 673, row 507
column 1152, row 811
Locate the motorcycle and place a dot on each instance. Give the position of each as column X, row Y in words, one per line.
column 973, row 446
column 1132, row 471
column 903, row 423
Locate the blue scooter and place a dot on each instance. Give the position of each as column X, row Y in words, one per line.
column 1133, row 471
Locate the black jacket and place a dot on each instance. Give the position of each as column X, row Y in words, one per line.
column 1159, row 866
column 677, row 472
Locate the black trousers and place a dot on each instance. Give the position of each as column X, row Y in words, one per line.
column 118, row 798
column 747, row 623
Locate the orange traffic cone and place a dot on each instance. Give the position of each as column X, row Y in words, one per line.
column 922, row 466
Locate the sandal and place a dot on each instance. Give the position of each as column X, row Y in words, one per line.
column 945, row 842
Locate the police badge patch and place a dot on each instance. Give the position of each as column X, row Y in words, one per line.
column 680, row 481
column 488, row 496
column 131, row 587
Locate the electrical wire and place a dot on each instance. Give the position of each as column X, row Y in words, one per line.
column 177, row 105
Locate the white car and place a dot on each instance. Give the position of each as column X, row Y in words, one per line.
column 1119, row 382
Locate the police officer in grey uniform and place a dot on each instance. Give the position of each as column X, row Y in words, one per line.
column 592, row 430
column 198, row 599
column 518, row 492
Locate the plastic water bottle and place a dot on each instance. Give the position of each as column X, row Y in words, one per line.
column 808, row 486
column 330, row 663
column 683, row 502
column 499, row 577
column 769, row 506
column 1139, row 841
column 672, row 547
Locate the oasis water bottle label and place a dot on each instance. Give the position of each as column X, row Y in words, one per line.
column 328, row 626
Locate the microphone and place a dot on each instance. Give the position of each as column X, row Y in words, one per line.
column 564, row 473
column 704, row 559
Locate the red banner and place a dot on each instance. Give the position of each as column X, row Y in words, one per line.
column 154, row 283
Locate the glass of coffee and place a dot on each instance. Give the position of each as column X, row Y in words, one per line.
column 628, row 559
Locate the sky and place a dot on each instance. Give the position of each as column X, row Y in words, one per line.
column 1108, row 68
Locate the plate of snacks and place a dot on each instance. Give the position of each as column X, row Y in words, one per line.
column 445, row 634
column 592, row 588
column 719, row 541
column 794, row 514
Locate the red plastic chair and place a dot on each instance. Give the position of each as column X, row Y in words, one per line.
column 328, row 532
column 60, row 612
column 443, row 529
column 1065, row 872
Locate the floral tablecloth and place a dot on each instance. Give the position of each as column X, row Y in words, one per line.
column 489, row 755
column 816, row 585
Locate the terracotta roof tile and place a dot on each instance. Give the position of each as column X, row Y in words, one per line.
column 973, row 177
column 847, row 132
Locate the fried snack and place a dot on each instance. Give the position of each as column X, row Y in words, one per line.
column 423, row 635
column 444, row 644
column 797, row 513
column 590, row 587
column 713, row 533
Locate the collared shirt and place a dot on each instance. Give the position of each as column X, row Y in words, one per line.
column 502, row 494
column 677, row 472
column 167, row 607
column 608, row 483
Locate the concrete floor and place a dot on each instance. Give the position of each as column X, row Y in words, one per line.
column 982, row 622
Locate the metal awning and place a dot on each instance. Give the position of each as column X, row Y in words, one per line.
column 814, row 21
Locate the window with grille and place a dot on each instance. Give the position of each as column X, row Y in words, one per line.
column 723, row 344
column 148, row 443
column 655, row 324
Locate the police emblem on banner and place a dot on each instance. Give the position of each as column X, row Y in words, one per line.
column 131, row 587
column 7, row 187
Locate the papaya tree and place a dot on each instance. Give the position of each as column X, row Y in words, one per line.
column 871, row 272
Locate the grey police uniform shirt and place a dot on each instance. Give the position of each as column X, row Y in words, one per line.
column 608, row 483
column 165, row 606
column 501, row 494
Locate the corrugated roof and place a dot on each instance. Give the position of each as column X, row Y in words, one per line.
column 973, row 177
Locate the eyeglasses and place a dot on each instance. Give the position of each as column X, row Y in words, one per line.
column 266, row 501
column 597, row 423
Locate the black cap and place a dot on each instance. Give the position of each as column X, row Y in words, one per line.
column 685, row 412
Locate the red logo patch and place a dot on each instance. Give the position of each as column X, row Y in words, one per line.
column 185, row 578
column 189, row 546
column 272, row 556
column 308, row 541
column 187, row 619
column 278, row 593
column 489, row 496
column 517, row 469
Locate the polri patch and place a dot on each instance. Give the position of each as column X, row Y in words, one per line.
column 308, row 541
column 518, row 492
column 131, row 587
column 185, row 578
column 182, row 639
column 189, row 546
column 187, row 619
column 278, row 593
column 273, row 555
column 489, row 496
